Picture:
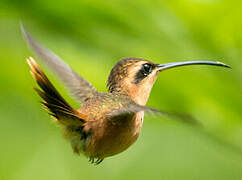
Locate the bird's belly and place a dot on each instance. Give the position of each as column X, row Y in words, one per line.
column 116, row 137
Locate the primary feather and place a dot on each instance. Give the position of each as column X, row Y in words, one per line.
column 78, row 86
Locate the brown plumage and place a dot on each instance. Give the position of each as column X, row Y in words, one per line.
column 106, row 123
column 112, row 124
column 52, row 100
column 119, row 71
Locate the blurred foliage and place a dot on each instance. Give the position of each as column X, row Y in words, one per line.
column 92, row 36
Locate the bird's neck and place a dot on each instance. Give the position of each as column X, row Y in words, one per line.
column 138, row 94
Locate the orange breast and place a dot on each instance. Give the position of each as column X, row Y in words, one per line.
column 114, row 135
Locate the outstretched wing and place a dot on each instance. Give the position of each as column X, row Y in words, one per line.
column 78, row 86
column 134, row 108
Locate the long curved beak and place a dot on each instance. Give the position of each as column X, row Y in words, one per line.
column 185, row 63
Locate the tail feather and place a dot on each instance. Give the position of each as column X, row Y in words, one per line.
column 52, row 100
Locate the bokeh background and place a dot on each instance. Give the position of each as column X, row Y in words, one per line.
column 92, row 36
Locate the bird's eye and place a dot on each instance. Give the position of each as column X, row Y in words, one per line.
column 147, row 69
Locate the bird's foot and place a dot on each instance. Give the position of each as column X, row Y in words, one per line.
column 95, row 161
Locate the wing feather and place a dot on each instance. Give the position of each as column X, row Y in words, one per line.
column 134, row 108
column 78, row 86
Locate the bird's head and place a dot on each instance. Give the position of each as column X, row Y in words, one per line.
column 135, row 76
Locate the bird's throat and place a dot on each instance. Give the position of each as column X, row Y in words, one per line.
column 138, row 93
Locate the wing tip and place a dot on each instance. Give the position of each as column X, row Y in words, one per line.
column 24, row 32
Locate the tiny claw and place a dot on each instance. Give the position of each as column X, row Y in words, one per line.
column 99, row 160
column 90, row 159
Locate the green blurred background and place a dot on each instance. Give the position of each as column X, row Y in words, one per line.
column 92, row 36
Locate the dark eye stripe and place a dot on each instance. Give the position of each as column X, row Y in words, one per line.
column 145, row 70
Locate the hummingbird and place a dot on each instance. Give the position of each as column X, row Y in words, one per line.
column 107, row 123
